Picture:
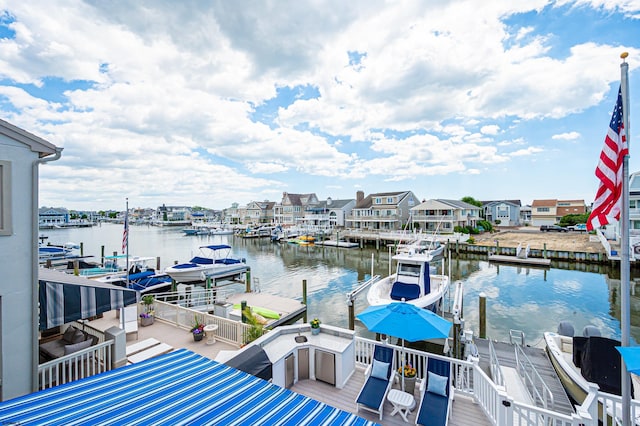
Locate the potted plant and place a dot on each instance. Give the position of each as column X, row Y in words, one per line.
column 146, row 318
column 198, row 329
column 408, row 374
column 255, row 330
column 315, row 326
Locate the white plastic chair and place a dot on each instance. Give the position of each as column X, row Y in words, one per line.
column 129, row 319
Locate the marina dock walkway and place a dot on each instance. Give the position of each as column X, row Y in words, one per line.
column 506, row 357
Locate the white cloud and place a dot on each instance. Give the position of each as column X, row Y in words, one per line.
column 569, row 136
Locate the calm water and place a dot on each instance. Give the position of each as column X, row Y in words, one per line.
column 528, row 299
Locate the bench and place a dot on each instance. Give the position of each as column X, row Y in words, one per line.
column 141, row 346
column 151, row 352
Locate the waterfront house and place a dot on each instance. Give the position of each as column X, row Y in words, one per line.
column 506, row 211
column 230, row 215
column 259, row 212
column 382, row 211
column 549, row 212
column 328, row 214
column 22, row 154
column 172, row 216
column 525, row 215
column 292, row 208
column 49, row 217
column 443, row 216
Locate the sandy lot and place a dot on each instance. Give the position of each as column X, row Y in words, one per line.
column 569, row 241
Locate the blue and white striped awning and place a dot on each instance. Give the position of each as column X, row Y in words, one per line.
column 64, row 298
column 178, row 388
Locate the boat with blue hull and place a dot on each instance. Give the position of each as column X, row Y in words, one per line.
column 213, row 262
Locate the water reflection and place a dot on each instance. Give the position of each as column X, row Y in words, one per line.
column 529, row 299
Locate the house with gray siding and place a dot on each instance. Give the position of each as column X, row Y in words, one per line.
column 382, row 210
column 507, row 212
column 21, row 154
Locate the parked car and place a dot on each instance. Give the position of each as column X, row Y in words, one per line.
column 580, row 227
column 553, row 228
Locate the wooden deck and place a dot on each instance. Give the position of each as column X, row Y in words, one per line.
column 465, row 412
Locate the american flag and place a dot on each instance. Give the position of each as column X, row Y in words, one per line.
column 125, row 233
column 609, row 171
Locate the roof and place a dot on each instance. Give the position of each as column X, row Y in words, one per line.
column 366, row 201
column 544, row 203
column 36, row 143
column 492, row 202
column 180, row 387
column 440, row 204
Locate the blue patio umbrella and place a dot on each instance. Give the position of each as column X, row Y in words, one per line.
column 631, row 357
column 405, row 321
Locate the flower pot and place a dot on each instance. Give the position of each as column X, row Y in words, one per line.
column 145, row 321
column 198, row 337
column 409, row 384
column 315, row 331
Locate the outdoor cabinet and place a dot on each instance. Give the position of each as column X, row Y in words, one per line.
column 289, row 370
column 303, row 364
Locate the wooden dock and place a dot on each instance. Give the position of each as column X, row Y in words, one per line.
column 334, row 243
column 506, row 357
column 519, row 260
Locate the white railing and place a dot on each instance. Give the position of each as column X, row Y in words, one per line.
column 230, row 331
column 78, row 365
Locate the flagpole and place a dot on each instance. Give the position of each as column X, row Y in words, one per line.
column 126, row 230
column 625, row 322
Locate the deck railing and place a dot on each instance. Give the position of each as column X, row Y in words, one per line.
column 229, row 331
column 78, row 365
column 494, row 366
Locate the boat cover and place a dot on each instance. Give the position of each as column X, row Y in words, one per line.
column 177, row 388
column 64, row 298
column 599, row 362
column 254, row 361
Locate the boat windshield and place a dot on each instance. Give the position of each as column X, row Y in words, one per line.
column 409, row 270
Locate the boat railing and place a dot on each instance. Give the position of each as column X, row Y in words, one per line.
column 535, row 385
column 494, row 366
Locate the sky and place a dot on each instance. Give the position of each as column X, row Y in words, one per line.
column 207, row 103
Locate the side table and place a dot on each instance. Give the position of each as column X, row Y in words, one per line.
column 210, row 333
column 402, row 403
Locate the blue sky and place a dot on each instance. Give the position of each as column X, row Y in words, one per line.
column 210, row 103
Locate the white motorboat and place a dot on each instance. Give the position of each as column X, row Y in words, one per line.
column 142, row 276
column 581, row 360
column 56, row 252
column 213, row 262
column 414, row 281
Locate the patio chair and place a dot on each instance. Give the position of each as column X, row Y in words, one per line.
column 129, row 320
column 379, row 377
column 436, row 392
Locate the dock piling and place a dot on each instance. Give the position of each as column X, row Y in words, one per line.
column 304, row 297
column 81, row 248
column 247, row 281
column 483, row 315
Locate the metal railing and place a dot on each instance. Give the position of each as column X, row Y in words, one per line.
column 494, row 366
column 532, row 380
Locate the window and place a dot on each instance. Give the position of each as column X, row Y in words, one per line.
column 5, row 198
column 389, row 200
column 378, row 200
column 542, row 209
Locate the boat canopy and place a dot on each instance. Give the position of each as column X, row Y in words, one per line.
column 217, row 247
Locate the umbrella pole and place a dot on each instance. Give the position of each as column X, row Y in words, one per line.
column 402, row 365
